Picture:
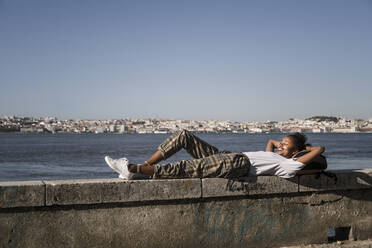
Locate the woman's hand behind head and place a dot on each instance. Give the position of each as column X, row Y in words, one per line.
column 314, row 152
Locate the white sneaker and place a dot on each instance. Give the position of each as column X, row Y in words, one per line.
column 120, row 166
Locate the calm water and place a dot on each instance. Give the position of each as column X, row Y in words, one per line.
column 66, row 156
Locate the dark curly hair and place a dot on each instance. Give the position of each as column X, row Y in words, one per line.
column 299, row 139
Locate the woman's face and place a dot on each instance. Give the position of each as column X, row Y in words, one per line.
column 286, row 147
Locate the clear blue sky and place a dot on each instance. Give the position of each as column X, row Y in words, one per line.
column 227, row 60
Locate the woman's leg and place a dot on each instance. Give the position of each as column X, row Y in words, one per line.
column 225, row 165
column 195, row 146
column 147, row 168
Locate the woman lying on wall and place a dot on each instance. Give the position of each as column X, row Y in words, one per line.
column 279, row 159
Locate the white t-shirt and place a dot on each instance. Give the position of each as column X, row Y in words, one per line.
column 270, row 163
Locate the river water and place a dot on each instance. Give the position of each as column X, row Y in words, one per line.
column 72, row 156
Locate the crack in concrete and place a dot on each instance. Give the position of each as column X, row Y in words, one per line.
column 322, row 202
column 45, row 192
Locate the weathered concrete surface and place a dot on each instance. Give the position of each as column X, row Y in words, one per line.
column 216, row 187
column 22, row 193
column 339, row 244
column 114, row 226
column 266, row 222
column 361, row 230
column 269, row 212
column 89, row 191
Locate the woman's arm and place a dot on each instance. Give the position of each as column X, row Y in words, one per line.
column 271, row 145
column 308, row 157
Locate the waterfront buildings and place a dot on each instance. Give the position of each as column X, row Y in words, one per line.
column 153, row 125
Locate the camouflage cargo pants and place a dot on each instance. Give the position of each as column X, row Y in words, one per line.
column 208, row 162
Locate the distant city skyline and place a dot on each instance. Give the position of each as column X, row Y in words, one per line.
column 181, row 119
column 319, row 124
column 192, row 60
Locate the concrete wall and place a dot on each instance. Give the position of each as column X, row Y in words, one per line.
column 253, row 212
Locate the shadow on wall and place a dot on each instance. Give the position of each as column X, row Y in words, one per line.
column 343, row 181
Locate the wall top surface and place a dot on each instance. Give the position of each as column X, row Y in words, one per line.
column 96, row 191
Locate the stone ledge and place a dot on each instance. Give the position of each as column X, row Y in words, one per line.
column 95, row 191
column 22, row 193
column 91, row 191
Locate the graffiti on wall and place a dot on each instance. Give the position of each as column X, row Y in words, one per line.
column 251, row 221
column 243, row 186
